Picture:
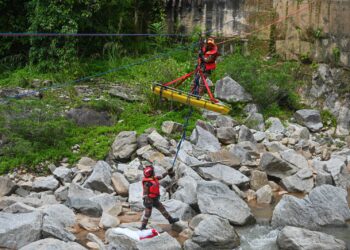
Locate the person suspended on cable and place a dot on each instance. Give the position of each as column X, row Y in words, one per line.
column 208, row 55
column 151, row 195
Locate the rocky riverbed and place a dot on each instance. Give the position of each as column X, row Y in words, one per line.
column 273, row 185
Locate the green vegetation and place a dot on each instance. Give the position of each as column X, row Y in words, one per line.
column 328, row 118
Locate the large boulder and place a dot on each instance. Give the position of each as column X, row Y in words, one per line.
column 124, row 145
column 45, row 183
column 302, row 239
column 6, row 186
column 53, row 244
column 224, row 121
column 79, row 198
column 275, row 166
column 217, row 199
column 325, row 205
column 302, row 181
column 225, row 174
column 245, row 135
column 309, row 118
column 186, row 191
column 176, row 209
column 294, row 158
column 230, row 91
column 275, row 126
column 63, row 174
column 100, row 179
column 205, row 140
column 225, row 156
column 213, row 232
column 18, row 230
column 226, row 135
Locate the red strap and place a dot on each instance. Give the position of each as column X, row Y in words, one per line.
column 180, row 78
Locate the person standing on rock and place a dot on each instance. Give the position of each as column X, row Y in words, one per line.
column 151, row 195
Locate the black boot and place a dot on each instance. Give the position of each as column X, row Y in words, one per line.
column 173, row 220
column 143, row 226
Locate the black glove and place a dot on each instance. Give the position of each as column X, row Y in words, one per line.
column 171, row 172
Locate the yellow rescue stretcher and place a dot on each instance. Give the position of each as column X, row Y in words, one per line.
column 177, row 95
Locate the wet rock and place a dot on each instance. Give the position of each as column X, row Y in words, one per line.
column 53, row 244
column 159, row 142
column 169, row 127
column 213, row 232
column 302, row 239
column 264, row 194
column 230, row 91
column 245, row 135
column 225, row 174
column 275, row 166
column 255, row 121
column 258, row 179
column 325, row 205
column 309, row 118
column 6, row 186
column 88, row 117
column 124, row 145
column 45, row 183
column 18, row 230
column 205, row 140
column 100, row 179
column 120, row 184
column 302, row 181
column 63, row 174
column 163, row 241
column 226, row 135
column 216, row 198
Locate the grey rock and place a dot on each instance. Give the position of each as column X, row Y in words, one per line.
column 93, row 238
column 88, row 117
column 325, row 205
column 163, row 241
column 159, row 142
column 264, row 194
column 206, row 126
column 259, row 136
column 298, row 132
column 251, row 108
column 79, row 199
column 226, row 135
column 309, row 118
column 274, row 147
column 108, row 221
column 124, row 145
column 258, row 179
column 86, row 164
column 45, row 183
column 176, row 209
column 6, row 186
column 205, row 140
column 169, row 127
column 294, row 158
column 224, row 121
column 100, row 179
column 18, row 207
column 120, row 242
column 225, row 174
column 197, row 219
column 275, row 166
column 343, row 121
column 245, row 135
column 276, row 126
column 106, row 201
column 18, row 230
column 224, row 156
column 210, row 115
column 217, row 199
column 230, row 91
column 63, row 174
column 213, row 232
column 186, row 191
column 255, row 121
column 323, row 177
column 120, row 184
column 53, row 244
column 303, row 239
column 61, row 193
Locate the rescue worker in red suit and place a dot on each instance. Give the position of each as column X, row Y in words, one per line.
column 151, row 194
column 209, row 53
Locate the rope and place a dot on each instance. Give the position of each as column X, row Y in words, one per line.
column 39, row 34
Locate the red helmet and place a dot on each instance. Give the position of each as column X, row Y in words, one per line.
column 148, row 171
